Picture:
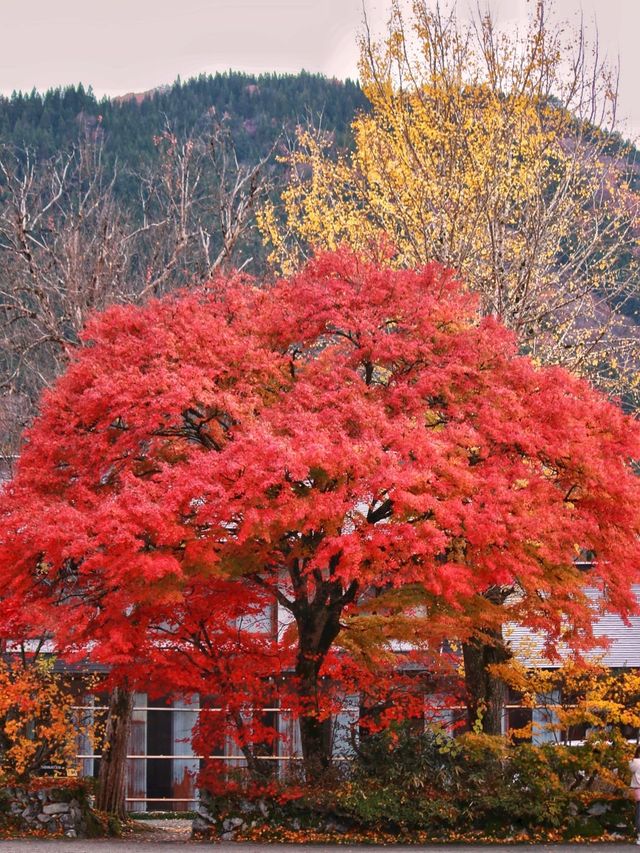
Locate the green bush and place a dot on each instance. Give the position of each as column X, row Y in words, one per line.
column 405, row 783
column 400, row 757
column 504, row 784
column 391, row 808
column 432, row 782
column 599, row 764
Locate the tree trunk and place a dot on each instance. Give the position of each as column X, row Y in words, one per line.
column 486, row 694
column 259, row 770
column 113, row 763
column 318, row 622
column 315, row 733
column 317, row 629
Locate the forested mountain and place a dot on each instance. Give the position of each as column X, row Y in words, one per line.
column 256, row 109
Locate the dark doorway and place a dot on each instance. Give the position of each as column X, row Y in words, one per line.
column 159, row 742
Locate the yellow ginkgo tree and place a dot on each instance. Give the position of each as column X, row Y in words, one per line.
column 494, row 154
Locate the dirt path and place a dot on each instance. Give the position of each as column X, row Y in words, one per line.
column 160, row 831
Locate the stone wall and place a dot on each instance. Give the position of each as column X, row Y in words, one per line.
column 222, row 819
column 60, row 810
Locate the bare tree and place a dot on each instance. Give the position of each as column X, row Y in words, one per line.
column 61, row 243
column 196, row 207
column 69, row 247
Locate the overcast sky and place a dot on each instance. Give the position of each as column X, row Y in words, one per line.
column 120, row 46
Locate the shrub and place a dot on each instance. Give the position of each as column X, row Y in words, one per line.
column 429, row 785
column 400, row 757
column 37, row 723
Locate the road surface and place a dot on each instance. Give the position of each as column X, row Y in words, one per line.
column 173, row 845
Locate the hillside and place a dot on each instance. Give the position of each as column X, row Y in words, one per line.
column 257, row 108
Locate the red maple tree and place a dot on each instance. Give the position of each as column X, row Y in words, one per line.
column 353, row 445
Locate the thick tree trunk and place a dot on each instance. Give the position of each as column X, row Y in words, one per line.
column 317, row 618
column 317, row 628
column 315, row 733
column 113, row 763
column 486, row 694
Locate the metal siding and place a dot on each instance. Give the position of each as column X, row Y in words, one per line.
column 623, row 649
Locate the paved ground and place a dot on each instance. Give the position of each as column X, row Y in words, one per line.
column 168, row 845
column 164, row 836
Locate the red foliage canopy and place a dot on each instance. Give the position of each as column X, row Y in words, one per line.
column 353, row 443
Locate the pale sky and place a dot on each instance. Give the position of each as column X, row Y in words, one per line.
column 120, row 46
